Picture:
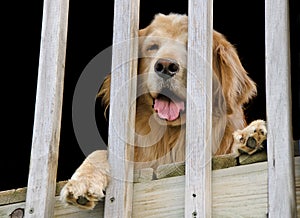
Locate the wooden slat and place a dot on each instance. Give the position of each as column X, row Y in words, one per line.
column 118, row 201
column 199, row 111
column 278, row 99
column 46, row 131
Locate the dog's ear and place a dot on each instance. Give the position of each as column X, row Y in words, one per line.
column 142, row 32
column 142, row 35
column 104, row 94
column 237, row 86
column 102, row 108
column 219, row 117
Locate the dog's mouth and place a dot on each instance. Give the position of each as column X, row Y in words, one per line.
column 168, row 107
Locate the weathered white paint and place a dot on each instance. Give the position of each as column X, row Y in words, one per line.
column 118, row 202
column 196, row 184
column 199, row 110
column 40, row 199
column 237, row 192
column 278, row 103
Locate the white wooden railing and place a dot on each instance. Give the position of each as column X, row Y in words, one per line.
column 281, row 174
column 198, row 193
column 47, row 119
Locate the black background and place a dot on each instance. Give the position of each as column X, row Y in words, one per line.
column 90, row 32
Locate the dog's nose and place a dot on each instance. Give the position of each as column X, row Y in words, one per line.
column 166, row 68
column 251, row 142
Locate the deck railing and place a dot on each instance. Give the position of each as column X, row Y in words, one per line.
column 198, row 191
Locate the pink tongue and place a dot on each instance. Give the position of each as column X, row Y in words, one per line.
column 168, row 109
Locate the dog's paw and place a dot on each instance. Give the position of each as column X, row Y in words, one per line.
column 87, row 185
column 250, row 139
column 82, row 193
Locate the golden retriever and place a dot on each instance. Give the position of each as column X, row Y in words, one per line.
column 160, row 105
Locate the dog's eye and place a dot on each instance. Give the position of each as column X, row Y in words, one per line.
column 153, row 47
column 254, row 130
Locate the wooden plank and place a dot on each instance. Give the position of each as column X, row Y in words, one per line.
column 118, row 201
column 19, row 195
column 60, row 210
column 170, row 170
column 143, row 175
column 199, row 95
column 278, row 99
column 46, row 131
column 218, row 162
column 259, row 156
column 12, row 196
column 237, row 192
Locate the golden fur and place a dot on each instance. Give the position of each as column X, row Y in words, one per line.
column 160, row 126
column 237, row 89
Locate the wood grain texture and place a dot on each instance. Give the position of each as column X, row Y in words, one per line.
column 170, row 170
column 199, row 110
column 278, row 98
column 143, row 175
column 122, row 109
column 12, row 196
column 259, row 156
column 240, row 191
column 60, row 210
column 237, row 192
column 46, row 131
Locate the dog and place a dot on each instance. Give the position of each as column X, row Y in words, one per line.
column 161, row 106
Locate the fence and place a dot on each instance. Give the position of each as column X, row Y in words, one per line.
column 277, row 192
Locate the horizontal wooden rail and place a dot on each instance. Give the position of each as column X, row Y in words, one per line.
column 240, row 191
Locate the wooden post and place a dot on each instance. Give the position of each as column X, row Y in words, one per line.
column 199, row 110
column 47, row 120
column 281, row 177
column 118, row 201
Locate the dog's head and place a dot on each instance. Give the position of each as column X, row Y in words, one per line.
column 163, row 59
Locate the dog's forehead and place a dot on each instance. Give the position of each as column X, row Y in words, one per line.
column 171, row 19
column 172, row 26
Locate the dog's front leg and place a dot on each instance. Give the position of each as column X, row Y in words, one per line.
column 87, row 185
